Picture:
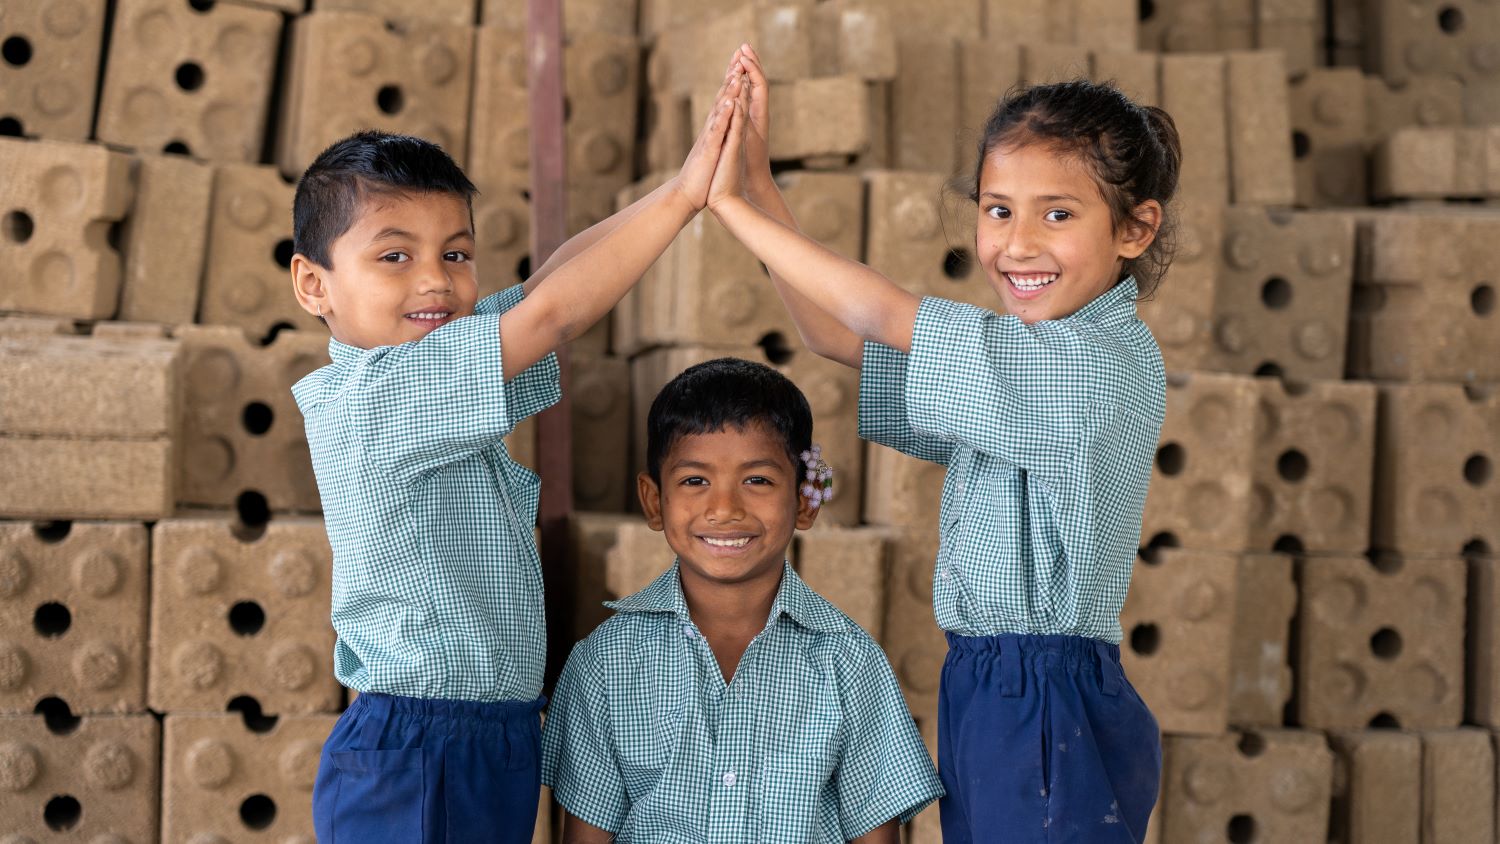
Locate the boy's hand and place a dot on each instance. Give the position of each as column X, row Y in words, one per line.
column 702, row 160
column 758, row 133
column 729, row 177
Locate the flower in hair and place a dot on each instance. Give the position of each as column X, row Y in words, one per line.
column 817, row 487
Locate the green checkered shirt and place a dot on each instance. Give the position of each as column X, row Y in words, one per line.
column 1048, row 431
column 811, row 742
column 437, row 589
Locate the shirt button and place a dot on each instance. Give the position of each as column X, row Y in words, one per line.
column 688, row 631
column 943, row 573
column 729, row 780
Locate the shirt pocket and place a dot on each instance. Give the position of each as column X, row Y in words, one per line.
column 379, row 795
column 647, row 720
column 803, row 753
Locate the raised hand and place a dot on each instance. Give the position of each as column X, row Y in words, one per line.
column 729, row 177
column 758, row 133
column 702, row 160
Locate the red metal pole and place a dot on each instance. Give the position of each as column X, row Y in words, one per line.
column 544, row 71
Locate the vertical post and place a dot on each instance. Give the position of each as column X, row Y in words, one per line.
column 544, row 73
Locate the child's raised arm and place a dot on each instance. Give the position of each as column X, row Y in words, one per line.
column 586, row 285
column 864, row 302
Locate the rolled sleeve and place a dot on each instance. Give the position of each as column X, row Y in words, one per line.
column 578, row 759
column 886, row 772
column 882, row 407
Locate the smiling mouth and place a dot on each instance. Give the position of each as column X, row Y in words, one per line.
column 429, row 316
column 1030, row 282
column 727, row 543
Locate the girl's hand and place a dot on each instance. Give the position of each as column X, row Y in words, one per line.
column 729, row 176
column 702, row 160
column 758, row 133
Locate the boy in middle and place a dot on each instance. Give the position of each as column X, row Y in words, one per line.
column 727, row 701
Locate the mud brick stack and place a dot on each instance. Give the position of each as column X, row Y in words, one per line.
column 1315, row 611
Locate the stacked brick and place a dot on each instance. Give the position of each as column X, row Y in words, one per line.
column 1314, row 614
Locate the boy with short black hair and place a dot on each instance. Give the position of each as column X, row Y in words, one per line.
column 437, row 589
column 727, row 701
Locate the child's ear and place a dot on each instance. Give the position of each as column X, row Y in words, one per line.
column 806, row 513
column 649, row 491
column 1140, row 230
column 310, row 286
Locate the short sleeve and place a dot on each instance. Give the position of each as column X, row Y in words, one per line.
column 885, row 772
column 882, row 407
column 578, row 758
column 1016, row 392
column 540, row 386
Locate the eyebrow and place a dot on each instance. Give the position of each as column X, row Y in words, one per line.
column 694, row 464
column 392, row 233
column 1047, row 198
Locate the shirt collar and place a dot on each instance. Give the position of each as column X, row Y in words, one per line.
column 343, row 352
column 793, row 599
column 1113, row 305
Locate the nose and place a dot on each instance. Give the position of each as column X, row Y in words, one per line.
column 724, row 504
column 435, row 277
column 1023, row 241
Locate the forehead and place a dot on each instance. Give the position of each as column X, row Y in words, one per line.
column 418, row 212
column 1025, row 170
column 728, row 445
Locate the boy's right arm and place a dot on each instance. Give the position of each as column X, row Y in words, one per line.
column 582, row 290
column 576, row 831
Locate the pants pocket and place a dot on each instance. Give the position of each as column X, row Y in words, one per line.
column 379, row 795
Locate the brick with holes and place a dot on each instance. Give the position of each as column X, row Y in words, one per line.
column 51, row 68
column 1180, row 312
column 986, row 71
column 1423, row 101
column 591, row 536
column 848, row 567
column 230, row 777
column 61, row 200
column 1329, row 123
column 687, row 57
column 832, row 391
column 1439, row 163
column 1271, row 785
column 1179, row 620
column 241, row 611
column 901, row 491
column 1435, row 484
column 241, row 430
column 580, row 17
column 601, row 78
column 104, row 403
column 348, row 72
column 1283, row 302
column 1458, row 786
column 1381, row 640
column 1200, row 491
column 1424, row 296
column 73, row 625
column 910, row 636
column 1259, row 126
column 825, row 123
column 638, row 556
column 852, row 39
column 921, row 236
column 1260, row 659
column 1405, row 40
column 1193, row 91
column 1314, row 467
column 602, row 480
column 1293, row 27
column 245, row 283
column 165, row 239
column 1483, row 643
column 1378, row 794
column 924, row 105
column 182, row 79
column 460, row 12
column 95, row 779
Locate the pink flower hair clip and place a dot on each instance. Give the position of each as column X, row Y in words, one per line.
column 817, row 487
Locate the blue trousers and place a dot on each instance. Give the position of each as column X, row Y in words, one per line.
column 411, row 769
column 1042, row 739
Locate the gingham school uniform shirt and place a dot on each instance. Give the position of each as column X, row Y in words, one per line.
column 1048, row 431
column 811, row 742
column 437, row 588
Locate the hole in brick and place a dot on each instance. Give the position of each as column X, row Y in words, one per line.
column 1151, row 554
column 1147, row 9
column 389, row 99
column 1384, row 721
column 776, row 348
column 201, row 5
column 18, row 226
column 1292, row 465
column 1450, row 19
column 1477, row 469
column 1386, row 563
column 189, row 76
column 62, row 813
column 1170, row 459
column 1241, row 829
column 258, row 811
column 1145, row 639
column 957, row 264
column 275, row 331
column 257, row 418
column 52, row 619
column 1386, row 643
column 1482, row 300
column 1288, row 543
column 115, row 235
column 1301, row 144
column 283, row 253
column 59, row 717
column 1251, row 745
column 254, row 513
column 177, row 148
column 16, row 50
column 249, row 709
column 523, row 267
column 1276, row 293
column 52, row 532
column 1269, row 369
column 11, row 126
column 1476, row 547
column 246, row 618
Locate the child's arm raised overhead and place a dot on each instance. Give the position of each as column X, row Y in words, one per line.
column 866, row 303
column 585, row 286
column 821, row 333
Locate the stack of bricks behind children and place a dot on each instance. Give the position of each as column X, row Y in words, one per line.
column 163, row 569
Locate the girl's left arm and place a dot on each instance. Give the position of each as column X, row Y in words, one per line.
column 887, row 833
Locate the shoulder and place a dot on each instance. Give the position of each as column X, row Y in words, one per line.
column 613, row 643
column 840, row 639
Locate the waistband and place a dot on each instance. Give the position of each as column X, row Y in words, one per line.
column 469, row 710
column 1011, row 650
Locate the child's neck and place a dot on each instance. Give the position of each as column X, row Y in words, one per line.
column 729, row 615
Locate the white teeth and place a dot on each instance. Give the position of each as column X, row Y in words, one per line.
column 429, row 315
column 1031, row 282
column 727, row 543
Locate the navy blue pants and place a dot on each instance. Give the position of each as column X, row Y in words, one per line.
column 1042, row 739
column 410, row 769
